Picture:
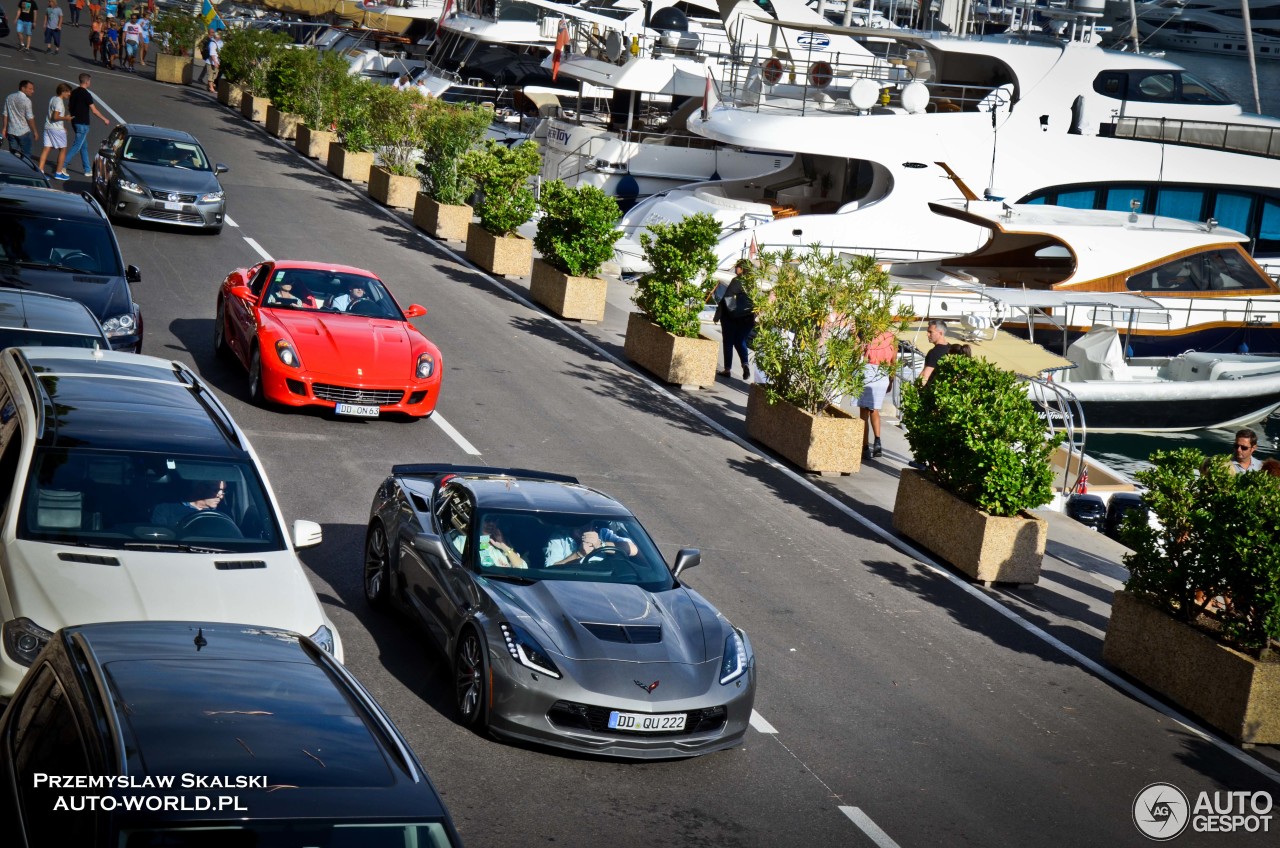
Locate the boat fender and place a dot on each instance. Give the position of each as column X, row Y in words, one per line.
column 820, row 74
column 772, row 71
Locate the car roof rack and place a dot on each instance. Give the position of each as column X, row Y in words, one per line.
column 39, row 397
column 445, row 468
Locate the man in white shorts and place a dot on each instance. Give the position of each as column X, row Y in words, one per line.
column 876, row 375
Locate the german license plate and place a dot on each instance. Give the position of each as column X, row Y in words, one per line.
column 646, row 723
column 170, row 205
column 357, row 410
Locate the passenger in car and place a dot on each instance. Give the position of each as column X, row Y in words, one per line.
column 285, row 295
column 200, row 495
column 583, row 542
column 495, row 552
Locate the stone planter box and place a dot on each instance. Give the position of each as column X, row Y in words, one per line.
column 229, row 94
column 1233, row 692
column 314, row 144
column 254, row 107
column 575, row 298
column 176, row 70
column 987, row 548
column 689, row 363
column 505, row 256
column 349, row 165
column 821, row 444
column 392, row 189
column 441, row 220
column 282, row 124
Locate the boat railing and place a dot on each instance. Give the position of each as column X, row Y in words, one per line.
column 1237, row 138
column 617, row 46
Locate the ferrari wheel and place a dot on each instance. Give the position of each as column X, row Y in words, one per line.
column 377, row 566
column 220, row 334
column 468, row 672
column 256, row 393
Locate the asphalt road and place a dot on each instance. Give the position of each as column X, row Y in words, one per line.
column 896, row 709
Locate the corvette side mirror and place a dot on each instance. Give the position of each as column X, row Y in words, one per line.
column 687, row 558
column 415, row 310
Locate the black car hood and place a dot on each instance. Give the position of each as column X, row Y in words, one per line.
column 106, row 296
column 164, row 178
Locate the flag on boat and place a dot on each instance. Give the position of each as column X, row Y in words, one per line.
column 444, row 12
column 709, row 98
column 562, row 41
column 209, row 15
column 753, row 249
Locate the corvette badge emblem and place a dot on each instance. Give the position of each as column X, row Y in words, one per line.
column 648, row 687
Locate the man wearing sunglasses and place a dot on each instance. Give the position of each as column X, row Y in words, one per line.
column 1242, row 458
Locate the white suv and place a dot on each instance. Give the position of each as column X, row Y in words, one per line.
column 128, row 493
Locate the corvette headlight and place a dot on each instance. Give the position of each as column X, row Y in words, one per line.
column 24, row 640
column 131, row 187
column 211, row 197
column 526, row 651
column 120, row 325
column 734, row 664
column 324, row 638
column 426, row 366
column 286, row 353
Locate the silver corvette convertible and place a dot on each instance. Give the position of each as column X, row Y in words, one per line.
column 562, row 621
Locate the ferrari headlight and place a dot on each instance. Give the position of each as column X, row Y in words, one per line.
column 120, row 325
column 287, row 355
column 426, row 366
column 324, row 638
column 525, row 650
column 211, row 197
column 131, row 187
column 24, row 640
column 734, row 664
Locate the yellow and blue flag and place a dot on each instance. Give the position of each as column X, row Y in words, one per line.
column 210, row 16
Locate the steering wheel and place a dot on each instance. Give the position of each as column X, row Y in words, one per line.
column 365, row 307
column 77, row 259
column 210, row 523
column 601, row 556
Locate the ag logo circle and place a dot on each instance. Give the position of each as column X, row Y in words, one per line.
column 1161, row 811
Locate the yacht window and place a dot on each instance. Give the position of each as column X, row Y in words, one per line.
column 1036, row 201
column 1269, row 230
column 1196, row 90
column 1110, row 84
column 1186, row 204
column 1119, row 198
column 1213, row 270
column 1157, row 87
column 1077, row 199
column 1233, row 210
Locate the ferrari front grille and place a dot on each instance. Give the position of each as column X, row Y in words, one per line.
column 346, row 394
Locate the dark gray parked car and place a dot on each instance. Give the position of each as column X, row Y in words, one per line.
column 160, row 175
column 36, row 319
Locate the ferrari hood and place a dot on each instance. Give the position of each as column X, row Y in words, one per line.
column 352, row 347
column 57, row 590
column 589, row 621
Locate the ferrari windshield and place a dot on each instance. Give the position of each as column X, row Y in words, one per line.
column 330, row 291
column 561, row 546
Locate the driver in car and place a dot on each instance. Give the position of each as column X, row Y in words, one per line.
column 586, row 541
column 201, row 495
column 356, row 293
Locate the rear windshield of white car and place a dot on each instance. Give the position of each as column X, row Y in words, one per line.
column 146, row 501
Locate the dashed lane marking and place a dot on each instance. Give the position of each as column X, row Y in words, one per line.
column 258, row 248
column 230, row 223
column 457, row 437
column 758, row 722
column 870, row 828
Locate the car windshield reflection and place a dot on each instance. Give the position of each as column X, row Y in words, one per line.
column 330, row 291
column 166, row 153
column 57, row 244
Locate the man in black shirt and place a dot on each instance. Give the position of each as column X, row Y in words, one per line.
column 938, row 336
column 82, row 106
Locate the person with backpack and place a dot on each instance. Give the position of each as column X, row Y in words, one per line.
column 213, row 62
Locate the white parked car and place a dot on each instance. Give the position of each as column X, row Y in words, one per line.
column 127, row 492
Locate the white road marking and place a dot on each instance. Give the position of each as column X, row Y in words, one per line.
column 230, row 223
column 257, row 247
column 452, row 433
column 758, row 722
column 870, row 828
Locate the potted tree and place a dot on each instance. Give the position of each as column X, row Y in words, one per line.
column 176, row 35
column 449, row 130
column 351, row 155
column 575, row 237
column 812, row 334
column 396, row 121
column 503, row 174
column 285, row 86
column 986, row 462
column 664, row 338
column 1198, row 619
column 319, row 99
column 246, row 56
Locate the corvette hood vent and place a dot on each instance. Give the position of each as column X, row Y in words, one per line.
column 635, row 634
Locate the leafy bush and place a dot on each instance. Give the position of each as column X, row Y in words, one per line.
column 1217, row 539
column 578, row 228
column 354, row 118
column 448, row 131
column 247, row 55
column 395, row 122
column 177, row 33
column 309, row 83
column 683, row 259
column 979, row 436
column 813, row 329
column 503, row 175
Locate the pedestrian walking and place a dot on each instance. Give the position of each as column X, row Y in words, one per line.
column 57, row 117
column 95, row 37
column 110, row 45
column 73, row 13
column 26, row 23
column 53, row 27
column 19, row 121
column 145, row 23
column 736, row 315
column 132, row 33
column 81, row 106
column 876, row 379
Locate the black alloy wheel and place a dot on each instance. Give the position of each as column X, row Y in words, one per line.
column 220, row 347
column 377, row 566
column 468, row 672
column 256, row 393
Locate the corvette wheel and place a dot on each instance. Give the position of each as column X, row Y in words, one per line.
column 256, row 393
column 377, row 567
column 468, row 672
column 220, row 334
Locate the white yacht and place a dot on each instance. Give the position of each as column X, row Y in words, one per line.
column 1020, row 116
column 1209, row 26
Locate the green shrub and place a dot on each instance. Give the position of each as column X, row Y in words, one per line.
column 979, row 436
column 813, row 328
column 291, row 78
column 247, row 55
column 177, row 33
column 448, row 131
column 503, row 174
column 682, row 256
column 354, row 118
column 1217, row 539
column 395, row 123
column 578, row 228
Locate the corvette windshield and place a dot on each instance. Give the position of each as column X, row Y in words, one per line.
column 146, row 501
column 562, row 546
column 318, row 290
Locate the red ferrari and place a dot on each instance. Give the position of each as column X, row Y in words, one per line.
column 312, row 334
